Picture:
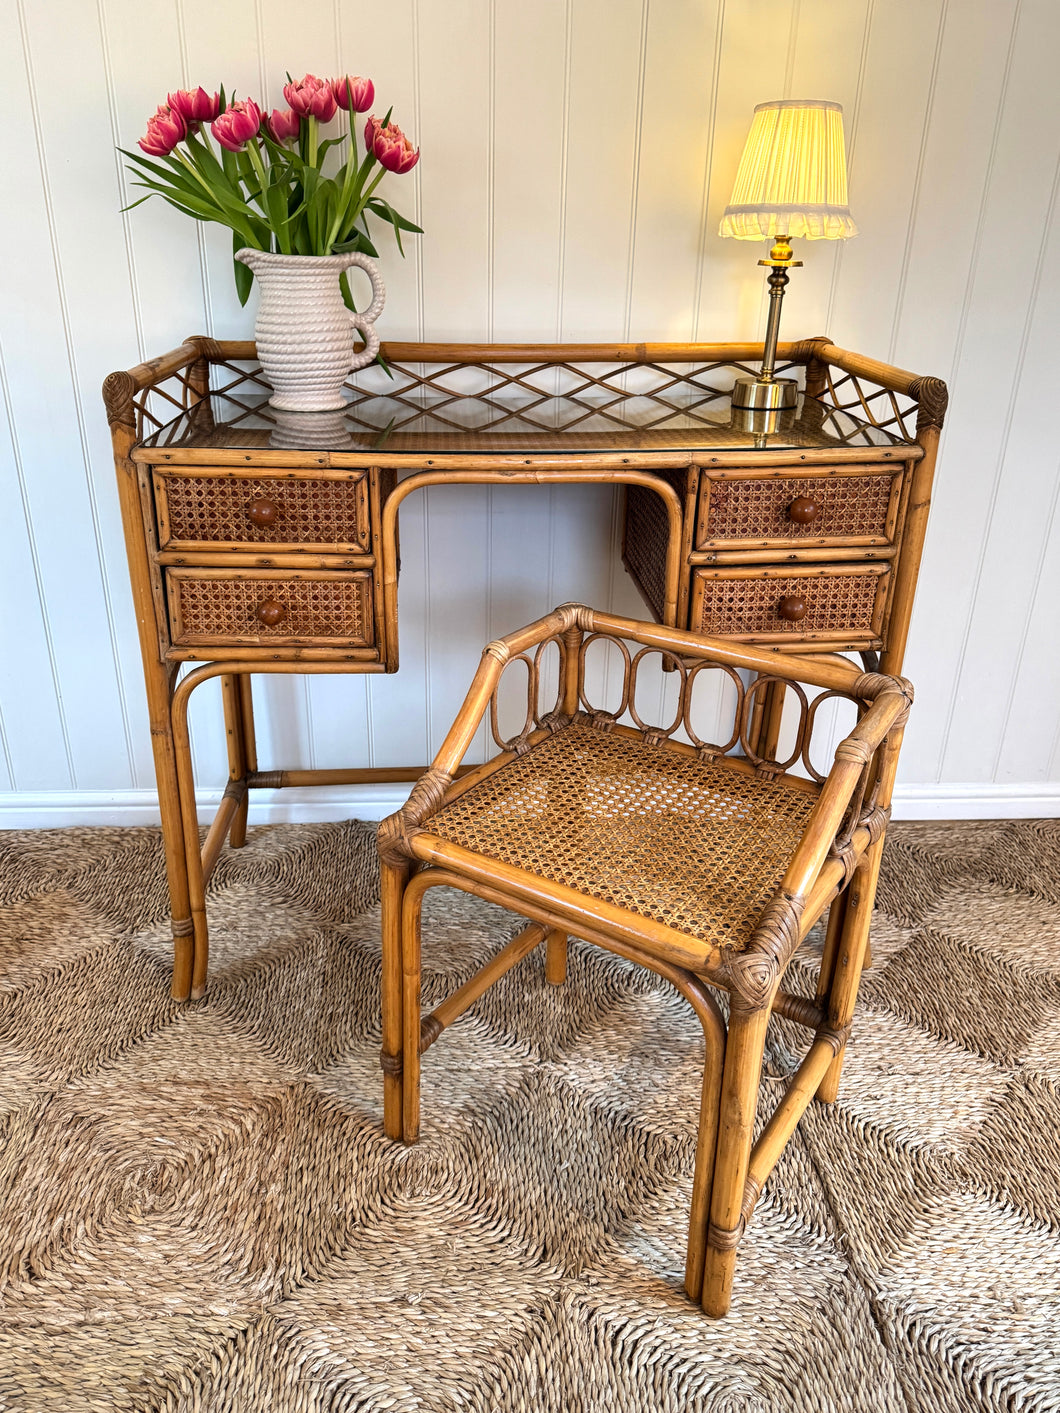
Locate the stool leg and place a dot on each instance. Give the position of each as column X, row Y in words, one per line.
column 710, row 1018
column 394, row 878
column 744, row 1049
column 410, row 1010
column 159, row 697
column 853, row 945
column 833, row 932
column 555, row 957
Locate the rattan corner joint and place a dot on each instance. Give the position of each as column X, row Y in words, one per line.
column 598, row 824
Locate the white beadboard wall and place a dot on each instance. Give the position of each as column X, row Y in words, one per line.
column 576, row 158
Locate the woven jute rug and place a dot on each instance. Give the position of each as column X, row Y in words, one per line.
column 199, row 1210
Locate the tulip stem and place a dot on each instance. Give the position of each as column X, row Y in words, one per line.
column 313, row 134
column 186, row 161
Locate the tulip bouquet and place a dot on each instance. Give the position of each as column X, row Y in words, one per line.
column 267, row 182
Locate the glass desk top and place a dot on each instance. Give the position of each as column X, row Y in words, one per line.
column 499, row 409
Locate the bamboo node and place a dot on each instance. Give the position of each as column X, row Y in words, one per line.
column 182, row 927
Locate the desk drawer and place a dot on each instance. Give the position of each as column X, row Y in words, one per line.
column 255, row 606
column 851, row 505
column 234, row 508
column 831, row 603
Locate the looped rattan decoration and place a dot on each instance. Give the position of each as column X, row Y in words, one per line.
column 654, row 734
column 600, row 714
column 535, row 718
column 742, row 738
column 762, row 763
column 710, row 750
column 811, row 718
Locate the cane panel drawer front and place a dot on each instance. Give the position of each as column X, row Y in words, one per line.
column 834, row 603
column 201, row 508
column 841, row 505
column 252, row 607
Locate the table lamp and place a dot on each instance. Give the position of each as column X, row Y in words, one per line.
column 792, row 181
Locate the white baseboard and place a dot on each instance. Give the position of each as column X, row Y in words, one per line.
column 55, row 809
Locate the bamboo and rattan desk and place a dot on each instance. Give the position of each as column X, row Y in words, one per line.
column 261, row 542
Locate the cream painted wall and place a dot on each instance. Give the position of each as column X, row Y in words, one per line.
column 576, row 157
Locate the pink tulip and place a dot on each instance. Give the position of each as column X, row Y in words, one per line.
column 195, row 105
column 311, row 97
column 164, row 131
column 282, row 124
column 361, row 89
column 237, row 124
column 390, row 145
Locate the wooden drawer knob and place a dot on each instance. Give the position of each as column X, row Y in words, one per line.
column 804, row 510
column 263, row 512
column 792, row 607
column 270, row 613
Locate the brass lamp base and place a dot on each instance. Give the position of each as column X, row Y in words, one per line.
column 764, row 394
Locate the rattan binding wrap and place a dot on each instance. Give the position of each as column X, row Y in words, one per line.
column 215, row 508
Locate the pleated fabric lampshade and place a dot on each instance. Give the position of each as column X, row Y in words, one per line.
column 792, row 178
column 792, row 181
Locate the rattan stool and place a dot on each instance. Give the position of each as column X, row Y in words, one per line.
column 706, row 862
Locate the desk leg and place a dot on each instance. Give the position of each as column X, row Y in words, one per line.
column 393, row 881
column 160, row 681
column 192, row 853
column 235, row 735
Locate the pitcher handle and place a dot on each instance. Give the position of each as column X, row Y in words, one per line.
column 365, row 320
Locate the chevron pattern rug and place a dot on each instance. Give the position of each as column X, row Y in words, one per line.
column 199, row 1210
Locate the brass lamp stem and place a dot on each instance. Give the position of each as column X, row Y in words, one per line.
column 766, row 391
column 780, row 262
column 778, row 281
